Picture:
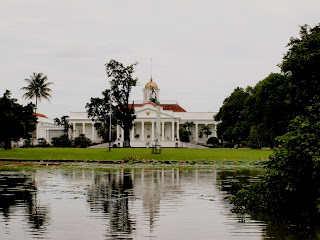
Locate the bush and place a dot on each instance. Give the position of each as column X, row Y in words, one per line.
column 213, row 141
column 62, row 141
column 27, row 143
column 43, row 143
column 228, row 145
column 82, row 141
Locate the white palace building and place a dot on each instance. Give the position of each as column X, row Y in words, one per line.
column 172, row 116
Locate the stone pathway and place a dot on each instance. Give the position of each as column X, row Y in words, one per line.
column 192, row 145
column 186, row 145
column 103, row 145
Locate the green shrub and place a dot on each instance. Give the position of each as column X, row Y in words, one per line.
column 62, row 141
column 228, row 145
column 213, row 141
column 82, row 141
column 42, row 143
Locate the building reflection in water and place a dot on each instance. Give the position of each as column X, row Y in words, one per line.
column 121, row 203
column 111, row 194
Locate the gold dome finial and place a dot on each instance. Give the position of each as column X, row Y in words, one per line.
column 151, row 84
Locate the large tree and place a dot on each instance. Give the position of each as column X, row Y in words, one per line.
column 233, row 126
column 302, row 65
column 118, row 95
column 38, row 88
column 16, row 121
column 99, row 110
column 267, row 110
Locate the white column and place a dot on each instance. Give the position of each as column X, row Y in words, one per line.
column 142, row 130
column 178, row 130
column 83, row 128
column 152, row 131
column 172, row 130
column 197, row 135
column 162, row 132
column 132, row 133
column 118, row 131
column 122, row 134
column 92, row 135
column 74, row 130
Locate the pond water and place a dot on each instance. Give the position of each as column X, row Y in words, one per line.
column 145, row 203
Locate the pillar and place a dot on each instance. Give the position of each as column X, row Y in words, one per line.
column 178, row 137
column 92, row 136
column 172, row 130
column 122, row 134
column 83, row 128
column 162, row 132
column 132, row 133
column 74, row 130
column 118, row 131
column 197, row 134
column 152, row 131
column 142, row 130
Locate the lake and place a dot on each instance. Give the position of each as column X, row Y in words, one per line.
column 133, row 203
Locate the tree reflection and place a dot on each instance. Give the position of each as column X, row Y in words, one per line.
column 111, row 193
column 19, row 190
column 287, row 230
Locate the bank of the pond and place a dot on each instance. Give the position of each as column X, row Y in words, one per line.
column 134, row 154
column 26, row 165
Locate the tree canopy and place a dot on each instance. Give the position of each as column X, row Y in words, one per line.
column 301, row 65
column 16, row 121
column 233, row 126
column 122, row 111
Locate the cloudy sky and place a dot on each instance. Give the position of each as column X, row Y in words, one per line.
column 201, row 49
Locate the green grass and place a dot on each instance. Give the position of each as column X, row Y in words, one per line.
column 143, row 153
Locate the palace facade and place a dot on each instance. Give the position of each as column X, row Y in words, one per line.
column 172, row 117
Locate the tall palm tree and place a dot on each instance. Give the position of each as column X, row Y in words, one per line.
column 38, row 88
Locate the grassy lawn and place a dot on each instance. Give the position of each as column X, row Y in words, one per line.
column 143, row 153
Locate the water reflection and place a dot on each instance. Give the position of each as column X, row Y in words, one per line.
column 146, row 203
column 19, row 191
column 111, row 194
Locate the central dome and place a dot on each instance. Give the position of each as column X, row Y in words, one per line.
column 151, row 84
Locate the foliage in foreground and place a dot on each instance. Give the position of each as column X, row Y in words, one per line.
column 16, row 121
column 290, row 185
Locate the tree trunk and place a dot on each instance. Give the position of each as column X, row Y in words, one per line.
column 126, row 137
column 34, row 133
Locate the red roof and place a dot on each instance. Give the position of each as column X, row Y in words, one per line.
column 172, row 107
column 41, row 115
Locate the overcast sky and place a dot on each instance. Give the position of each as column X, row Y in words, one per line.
column 201, row 49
